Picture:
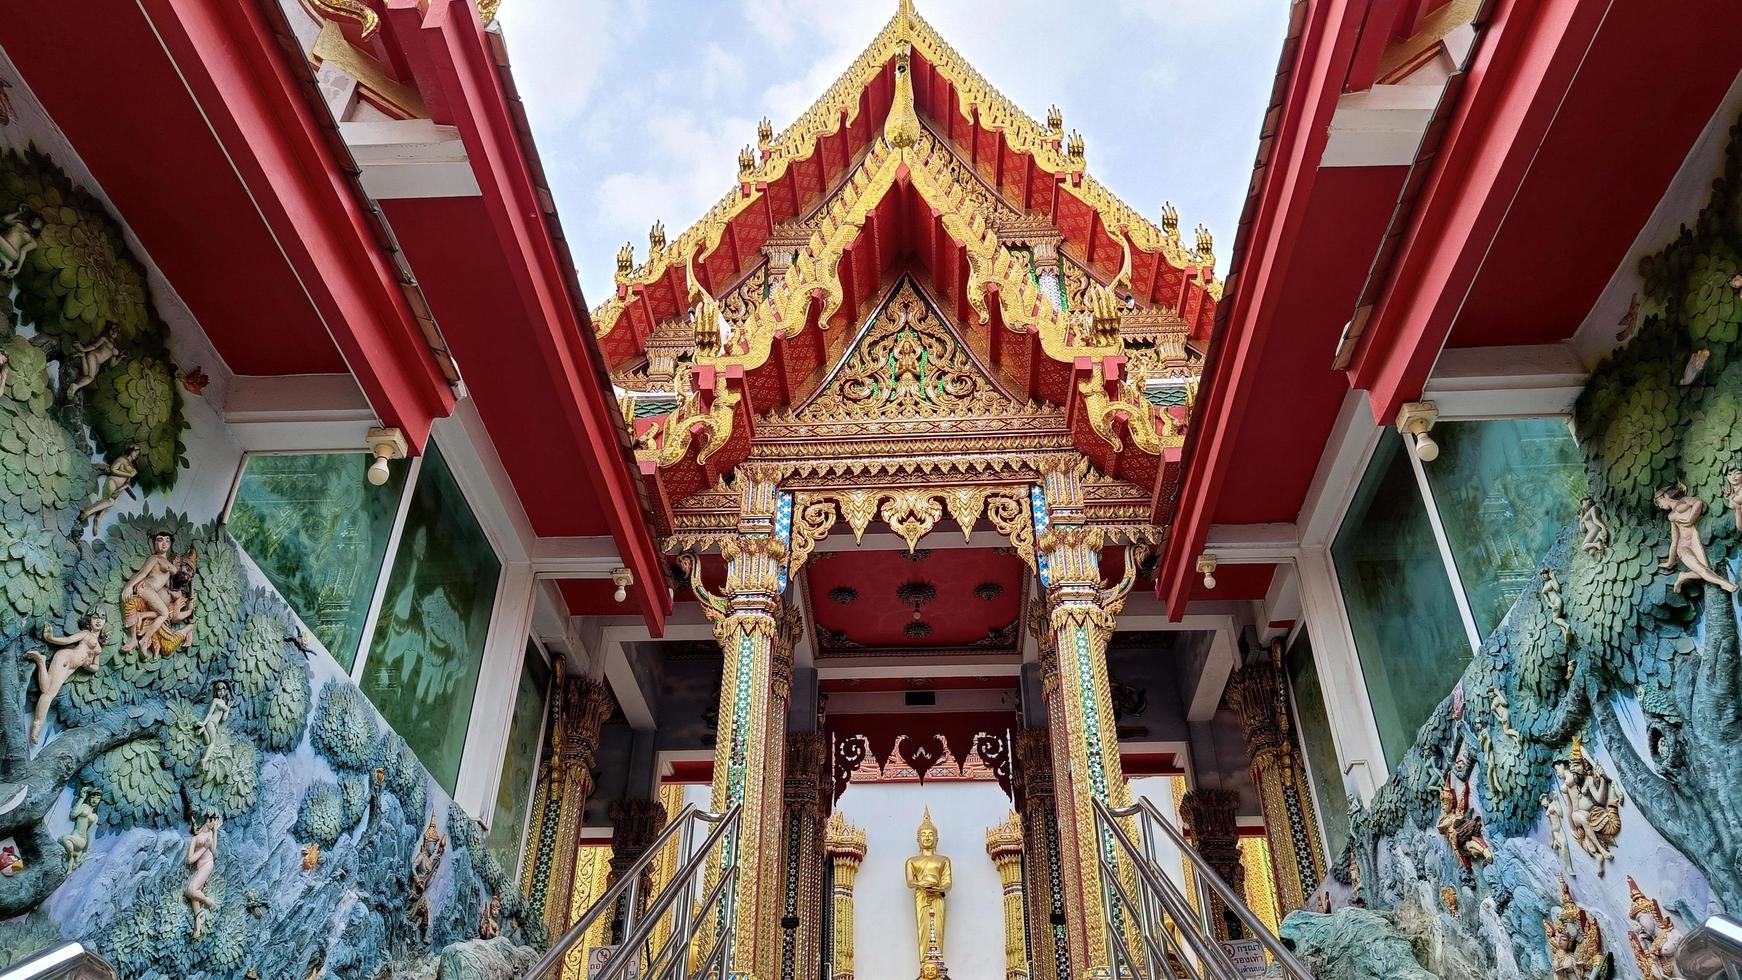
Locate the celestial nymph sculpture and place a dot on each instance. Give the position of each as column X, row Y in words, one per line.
column 928, row 874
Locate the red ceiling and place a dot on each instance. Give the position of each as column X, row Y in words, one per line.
column 1235, row 582
column 505, row 367
column 1613, row 147
column 102, row 74
column 873, row 685
column 957, row 616
column 1292, row 396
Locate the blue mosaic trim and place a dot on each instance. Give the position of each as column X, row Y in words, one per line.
column 783, row 531
column 1042, row 521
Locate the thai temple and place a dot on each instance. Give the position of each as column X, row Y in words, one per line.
column 925, row 564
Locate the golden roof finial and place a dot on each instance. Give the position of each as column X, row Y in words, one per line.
column 352, row 10
column 1055, row 121
column 901, row 129
column 746, row 163
column 905, row 13
column 625, row 259
column 1074, row 147
column 764, row 134
column 656, row 238
column 1169, row 220
column 1206, row 244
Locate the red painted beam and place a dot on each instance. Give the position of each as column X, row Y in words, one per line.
column 1322, row 54
column 1522, row 71
column 455, row 59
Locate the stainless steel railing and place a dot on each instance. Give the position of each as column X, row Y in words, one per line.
column 1713, row 951
column 677, row 904
column 1173, row 942
column 65, row 961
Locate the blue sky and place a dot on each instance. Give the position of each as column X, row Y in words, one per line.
column 640, row 106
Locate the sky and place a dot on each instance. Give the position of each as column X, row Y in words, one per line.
column 640, row 107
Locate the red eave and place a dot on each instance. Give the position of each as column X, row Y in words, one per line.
column 452, row 61
column 1314, row 65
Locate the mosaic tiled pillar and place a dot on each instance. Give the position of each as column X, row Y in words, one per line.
column 1043, row 878
column 1004, row 847
column 845, row 845
column 1259, row 692
column 1082, row 612
column 807, row 792
column 747, row 622
column 578, row 709
column 634, row 825
column 1209, row 816
column 773, row 892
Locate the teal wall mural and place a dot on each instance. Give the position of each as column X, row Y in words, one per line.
column 189, row 782
column 1571, row 807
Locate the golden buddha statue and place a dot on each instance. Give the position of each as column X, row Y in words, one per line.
column 928, row 874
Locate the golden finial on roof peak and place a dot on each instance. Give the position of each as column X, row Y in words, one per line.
column 1074, row 147
column 1169, row 220
column 625, row 259
column 746, row 163
column 656, row 238
column 764, row 134
column 905, row 12
column 901, row 129
column 1055, row 121
column 1206, row 244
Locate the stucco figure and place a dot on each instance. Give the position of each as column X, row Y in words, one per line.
column 92, row 357
column 18, row 239
column 80, row 650
column 1684, row 512
column 202, row 857
column 84, row 818
column 1593, row 805
column 118, row 476
column 1593, row 527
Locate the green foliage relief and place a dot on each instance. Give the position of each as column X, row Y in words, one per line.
column 1651, row 416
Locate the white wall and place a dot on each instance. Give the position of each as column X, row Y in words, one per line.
column 884, row 938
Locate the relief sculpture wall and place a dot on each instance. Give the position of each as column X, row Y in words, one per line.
column 189, row 782
column 1571, row 809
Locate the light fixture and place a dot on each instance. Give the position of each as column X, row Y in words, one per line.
column 1416, row 418
column 624, row 579
column 1207, row 565
column 386, row 444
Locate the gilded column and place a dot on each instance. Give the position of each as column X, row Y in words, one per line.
column 578, row 709
column 807, row 791
column 1086, row 761
column 665, row 863
column 747, row 623
column 773, row 892
column 1049, row 954
column 1259, row 692
column 635, row 824
column 1209, row 818
column 846, row 849
column 1004, row 847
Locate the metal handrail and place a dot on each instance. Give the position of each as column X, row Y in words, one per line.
column 1712, row 951
column 1211, row 953
column 639, row 928
column 68, row 960
column 1294, row 967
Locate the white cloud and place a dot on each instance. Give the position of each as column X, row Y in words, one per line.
column 691, row 164
column 723, row 73
column 561, row 48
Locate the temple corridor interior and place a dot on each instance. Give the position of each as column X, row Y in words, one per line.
column 927, row 563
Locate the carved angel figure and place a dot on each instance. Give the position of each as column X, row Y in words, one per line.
column 1461, row 826
column 1591, row 524
column 1654, row 938
column 1684, row 511
column 1593, row 805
